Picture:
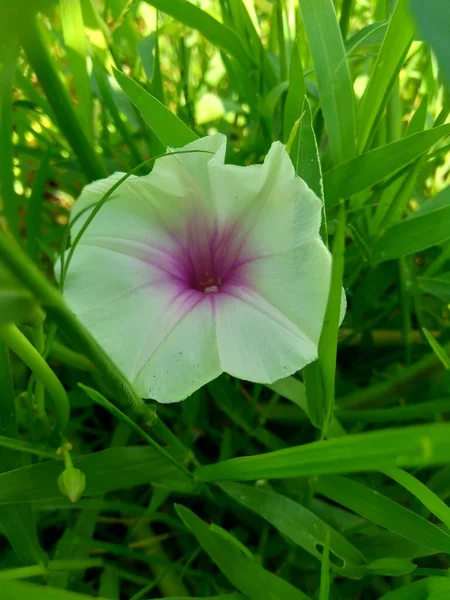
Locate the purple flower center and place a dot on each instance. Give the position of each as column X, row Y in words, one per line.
column 210, row 259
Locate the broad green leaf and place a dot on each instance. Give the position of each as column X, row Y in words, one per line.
column 433, row 20
column 381, row 510
column 216, row 33
column 409, row 446
column 424, row 229
column 300, row 525
column 166, row 125
column 438, row 286
column 75, row 42
column 107, row 470
column 378, row 164
column 431, row 588
column 437, row 349
column 244, row 573
column 397, row 41
column 333, row 77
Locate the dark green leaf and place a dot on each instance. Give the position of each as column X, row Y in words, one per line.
column 166, row 125
column 374, row 166
column 421, row 231
column 244, row 573
column 409, row 446
column 333, row 77
column 300, row 525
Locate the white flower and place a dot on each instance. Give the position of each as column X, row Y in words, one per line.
column 201, row 268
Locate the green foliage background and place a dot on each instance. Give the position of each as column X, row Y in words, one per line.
column 331, row 484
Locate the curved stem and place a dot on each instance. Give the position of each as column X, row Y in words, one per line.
column 15, row 339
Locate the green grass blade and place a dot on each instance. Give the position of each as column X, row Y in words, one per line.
column 76, row 47
column 397, row 41
column 293, row 107
column 35, row 206
column 384, row 512
column 424, row 229
column 437, row 348
column 333, row 77
column 409, row 446
column 168, row 127
column 18, row 589
column 244, row 573
column 374, row 166
column 9, row 51
column 216, row 33
column 324, row 593
column 428, row 498
column 58, row 97
column 108, row 101
column 321, row 404
column 300, row 525
column 294, row 390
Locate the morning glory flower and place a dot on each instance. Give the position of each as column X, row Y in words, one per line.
column 202, row 267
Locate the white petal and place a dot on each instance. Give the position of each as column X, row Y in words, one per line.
column 182, row 354
column 275, row 209
column 256, row 341
column 120, row 299
column 187, row 172
column 297, row 283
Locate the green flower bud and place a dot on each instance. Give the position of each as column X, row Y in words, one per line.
column 71, row 483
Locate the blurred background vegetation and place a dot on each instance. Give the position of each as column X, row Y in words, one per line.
column 359, row 88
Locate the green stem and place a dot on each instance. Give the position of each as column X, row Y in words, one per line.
column 41, row 61
column 53, row 565
column 39, row 390
column 281, row 42
column 15, row 339
column 344, row 21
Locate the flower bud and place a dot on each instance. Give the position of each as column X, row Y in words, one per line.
column 71, row 483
